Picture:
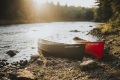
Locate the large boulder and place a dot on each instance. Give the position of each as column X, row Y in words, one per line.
column 25, row 75
column 12, row 53
column 90, row 64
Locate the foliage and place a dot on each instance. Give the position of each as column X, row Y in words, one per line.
column 105, row 28
column 29, row 11
column 108, row 11
column 104, row 11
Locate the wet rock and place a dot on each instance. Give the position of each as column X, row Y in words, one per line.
column 90, row 64
column 35, row 57
column 2, row 63
column 15, row 63
column 77, row 38
column 25, row 75
column 21, row 60
column 40, row 62
column 74, row 31
column 4, row 60
column 90, row 26
column 23, row 63
column 12, row 53
column 7, row 63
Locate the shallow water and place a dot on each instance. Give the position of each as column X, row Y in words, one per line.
column 24, row 37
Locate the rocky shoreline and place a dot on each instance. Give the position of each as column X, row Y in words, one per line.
column 52, row 68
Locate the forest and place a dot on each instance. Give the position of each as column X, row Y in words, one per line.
column 26, row 11
column 108, row 11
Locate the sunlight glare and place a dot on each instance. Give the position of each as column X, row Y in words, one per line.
column 39, row 1
column 41, row 32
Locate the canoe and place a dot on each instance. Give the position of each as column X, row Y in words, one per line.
column 93, row 48
column 73, row 51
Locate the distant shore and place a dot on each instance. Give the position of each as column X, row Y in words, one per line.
column 11, row 22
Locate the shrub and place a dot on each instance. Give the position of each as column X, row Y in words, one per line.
column 105, row 28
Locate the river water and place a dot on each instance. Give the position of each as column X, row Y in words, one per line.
column 24, row 37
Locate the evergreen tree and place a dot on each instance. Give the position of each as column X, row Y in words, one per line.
column 104, row 11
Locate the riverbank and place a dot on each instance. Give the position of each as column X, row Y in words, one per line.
column 52, row 68
column 107, row 68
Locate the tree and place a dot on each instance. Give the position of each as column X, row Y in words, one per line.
column 104, row 11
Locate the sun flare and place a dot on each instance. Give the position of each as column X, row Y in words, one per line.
column 39, row 1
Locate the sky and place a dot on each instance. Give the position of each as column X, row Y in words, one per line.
column 82, row 3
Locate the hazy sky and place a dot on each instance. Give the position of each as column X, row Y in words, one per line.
column 83, row 3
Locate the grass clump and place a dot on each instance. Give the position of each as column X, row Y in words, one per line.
column 105, row 28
